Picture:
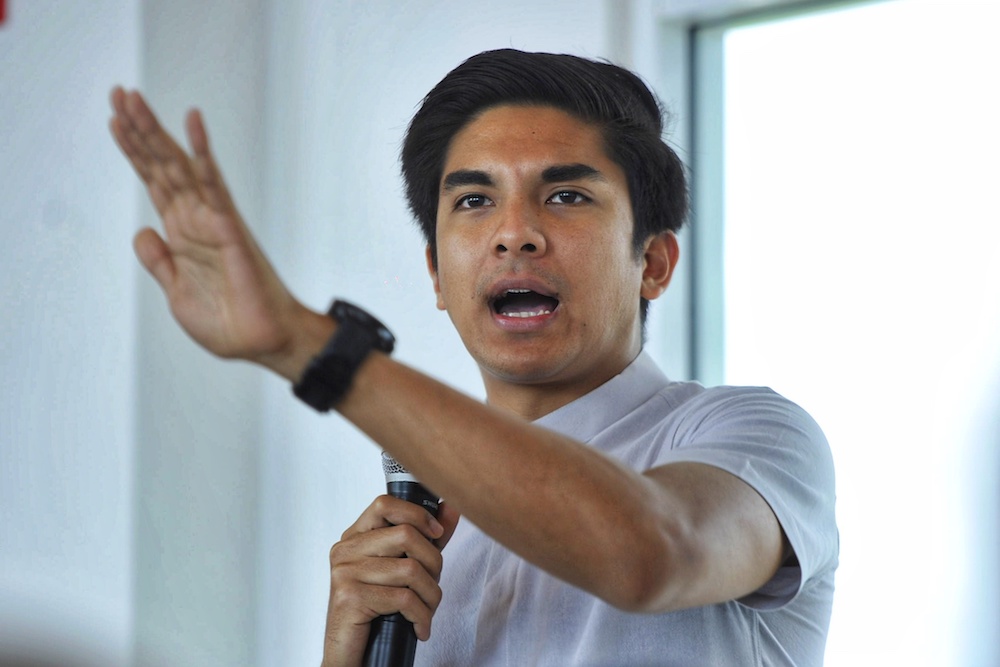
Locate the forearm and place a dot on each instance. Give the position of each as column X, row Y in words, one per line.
column 558, row 504
column 307, row 333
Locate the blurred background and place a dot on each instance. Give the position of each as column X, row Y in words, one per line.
column 162, row 507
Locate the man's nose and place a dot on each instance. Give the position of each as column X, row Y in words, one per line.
column 519, row 229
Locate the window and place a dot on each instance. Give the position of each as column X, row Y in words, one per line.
column 846, row 179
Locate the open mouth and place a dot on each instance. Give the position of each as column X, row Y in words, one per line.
column 523, row 303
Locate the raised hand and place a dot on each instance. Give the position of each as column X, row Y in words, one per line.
column 370, row 578
column 220, row 286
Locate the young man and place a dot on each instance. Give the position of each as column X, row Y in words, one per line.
column 612, row 517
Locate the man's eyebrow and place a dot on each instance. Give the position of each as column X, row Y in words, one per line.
column 462, row 177
column 571, row 172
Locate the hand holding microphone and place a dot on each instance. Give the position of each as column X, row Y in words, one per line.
column 369, row 574
column 392, row 642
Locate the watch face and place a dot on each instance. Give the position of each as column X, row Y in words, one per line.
column 386, row 340
column 342, row 310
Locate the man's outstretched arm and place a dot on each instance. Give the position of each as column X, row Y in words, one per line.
column 676, row 536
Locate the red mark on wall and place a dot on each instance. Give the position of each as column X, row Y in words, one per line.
column 3, row 10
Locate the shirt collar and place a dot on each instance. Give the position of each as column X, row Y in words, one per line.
column 590, row 414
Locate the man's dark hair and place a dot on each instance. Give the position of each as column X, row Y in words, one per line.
column 611, row 98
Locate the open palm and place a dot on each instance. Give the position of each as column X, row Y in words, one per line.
column 220, row 286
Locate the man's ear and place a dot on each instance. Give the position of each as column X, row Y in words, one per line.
column 429, row 255
column 658, row 261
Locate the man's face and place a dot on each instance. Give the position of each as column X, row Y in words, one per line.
column 535, row 263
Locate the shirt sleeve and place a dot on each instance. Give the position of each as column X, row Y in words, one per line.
column 778, row 449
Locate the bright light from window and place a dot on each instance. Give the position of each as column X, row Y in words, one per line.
column 862, row 280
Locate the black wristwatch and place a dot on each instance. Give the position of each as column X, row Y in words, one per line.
column 329, row 374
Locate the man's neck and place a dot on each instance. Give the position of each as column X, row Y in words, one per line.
column 533, row 400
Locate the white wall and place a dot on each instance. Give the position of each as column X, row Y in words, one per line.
column 197, row 418
column 68, row 329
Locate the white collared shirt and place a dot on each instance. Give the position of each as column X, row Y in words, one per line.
column 500, row 610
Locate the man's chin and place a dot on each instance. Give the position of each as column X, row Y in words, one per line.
column 516, row 373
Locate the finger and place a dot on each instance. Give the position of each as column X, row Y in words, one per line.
column 390, row 543
column 148, row 128
column 166, row 161
column 125, row 134
column 448, row 517
column 356, row 606
column 121, row 135
column 197, row 134
column 388, row 511
column 164, row 179
column 360, row 590
column 206, row 171
column 413, row 608
column 117, row 98
column 155, row 256
column 405, row 573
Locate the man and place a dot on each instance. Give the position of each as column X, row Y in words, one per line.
column 611, row 517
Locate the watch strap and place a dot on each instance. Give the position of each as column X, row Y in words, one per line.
column 328, row 376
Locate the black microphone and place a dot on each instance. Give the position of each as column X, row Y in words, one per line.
column 392, row 642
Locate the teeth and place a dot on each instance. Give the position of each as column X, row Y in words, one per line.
column 516, row 291
column 533, row 313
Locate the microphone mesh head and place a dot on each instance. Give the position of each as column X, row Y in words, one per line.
column 395, row 472
column 390, row 466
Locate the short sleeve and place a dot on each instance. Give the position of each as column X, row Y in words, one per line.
column 774, row 446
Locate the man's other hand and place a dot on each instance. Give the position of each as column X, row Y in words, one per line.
column 389, row 561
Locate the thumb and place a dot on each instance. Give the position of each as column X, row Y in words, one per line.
column 448, row 517
column 155, row 256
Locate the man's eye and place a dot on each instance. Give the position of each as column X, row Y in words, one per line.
column 473, row 201
column 568, row 197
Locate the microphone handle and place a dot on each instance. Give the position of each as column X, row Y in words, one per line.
column 392, row 642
